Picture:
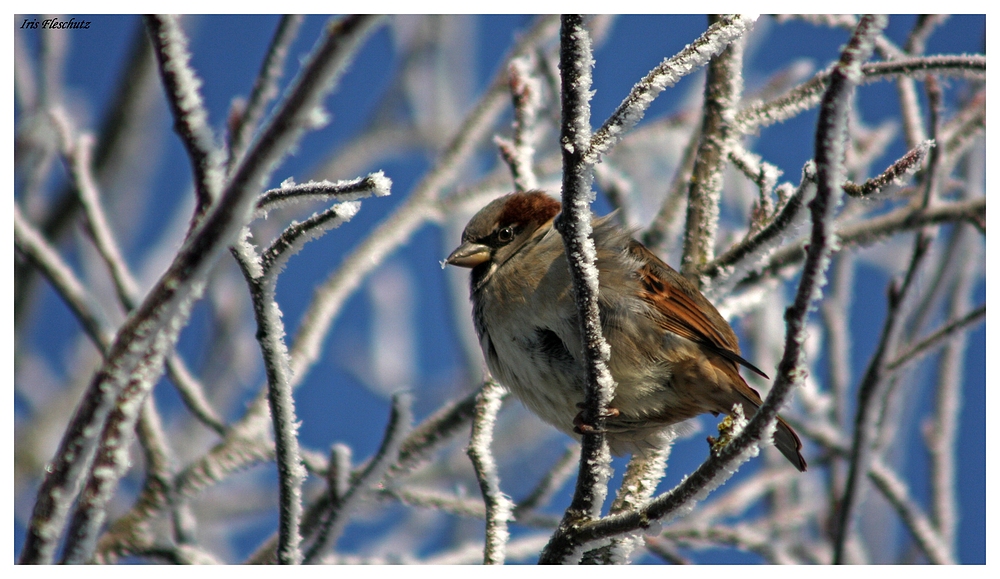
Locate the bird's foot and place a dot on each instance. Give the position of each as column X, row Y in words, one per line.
column 581, row 426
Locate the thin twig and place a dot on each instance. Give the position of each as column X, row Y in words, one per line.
column 376, row 184
column 895, row 490
column 942, row 438
column 398, row 427
column 807, row 95
column 265, row 88
column 32, row 244
column 905, row 165
column 875, row 229
column 937, row 339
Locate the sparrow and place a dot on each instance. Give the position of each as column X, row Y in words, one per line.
column 673, row 356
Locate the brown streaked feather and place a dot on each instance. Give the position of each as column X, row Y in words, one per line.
column 684, row 310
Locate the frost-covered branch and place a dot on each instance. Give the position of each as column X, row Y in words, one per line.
column 874, row 229
column 906, row 165
column 245, row 118
column 519, row 151
column 723, row 90
column 695, row 55
column 573, row 223
column 498, row 506
column 807, row 95
column 183, row 91
column 135, row 359
column 376, row 184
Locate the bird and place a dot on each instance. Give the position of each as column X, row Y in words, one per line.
column 673, row 355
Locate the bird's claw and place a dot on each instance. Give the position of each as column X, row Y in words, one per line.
column 581, row 426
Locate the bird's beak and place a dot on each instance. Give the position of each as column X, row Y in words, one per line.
column 469, row 255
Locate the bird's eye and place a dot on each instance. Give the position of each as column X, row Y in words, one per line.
column 505, row 235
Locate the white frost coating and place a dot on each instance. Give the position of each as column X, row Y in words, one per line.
column 621, row 549
column 921, row 152
column 739, row 422
column 383, row 184
column 344, row 213
column 528, row 91
column 344, row 190
column 245, row 249
column 668, row 73
column 499, row 507
column 188, row 99
column 317, row 118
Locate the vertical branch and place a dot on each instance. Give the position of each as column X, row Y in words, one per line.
column 291, row 474
column 261, row 274
column 874, row 383
column 170, row 46
column 942, row 437
column 573, row 223
column 642, row 475
column 265, row 88
column 519, row 152
column 723, row 88
column 498, row 506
